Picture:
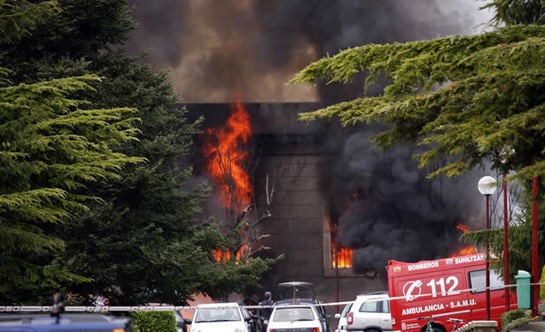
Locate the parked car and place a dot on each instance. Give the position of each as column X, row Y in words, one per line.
column 342, row 318
column 297, row 292
column 225, row 317
column 370, row 312
column 301, row 317
column 80, row 322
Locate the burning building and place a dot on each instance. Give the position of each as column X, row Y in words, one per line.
column 337, row 208
column 337, row 213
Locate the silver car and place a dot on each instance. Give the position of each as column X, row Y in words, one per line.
column 370, row 312
column 342, row 318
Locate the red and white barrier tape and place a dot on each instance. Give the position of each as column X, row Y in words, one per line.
column 105, row 309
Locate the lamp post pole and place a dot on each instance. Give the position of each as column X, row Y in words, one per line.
column 506, row 245
column 487, row 259
column 535, row 279
column 487, row 187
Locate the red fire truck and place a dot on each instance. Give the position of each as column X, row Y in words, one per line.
column 444, row 292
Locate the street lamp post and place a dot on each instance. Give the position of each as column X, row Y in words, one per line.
column 506, row 246
column 487, row 187
column 535, row 279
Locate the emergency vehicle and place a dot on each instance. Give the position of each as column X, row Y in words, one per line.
column 444, row 292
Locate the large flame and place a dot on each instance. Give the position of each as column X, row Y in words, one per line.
column 227, row 157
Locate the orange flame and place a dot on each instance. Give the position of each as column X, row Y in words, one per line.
column 341, row 257
column 463, row 228
column 467, row 250
column 227, row 156
column 223, row 256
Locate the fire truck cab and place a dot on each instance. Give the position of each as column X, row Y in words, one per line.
column 444, row 292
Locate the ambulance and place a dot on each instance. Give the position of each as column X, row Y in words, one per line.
column 444, row 292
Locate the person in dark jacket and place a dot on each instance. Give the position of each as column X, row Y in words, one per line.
column 58, row 307
column 265, row 312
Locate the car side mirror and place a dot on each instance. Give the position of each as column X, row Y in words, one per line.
column 337, row 316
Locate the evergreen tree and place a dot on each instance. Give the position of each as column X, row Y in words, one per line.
column 53, row 147
column 145, row 240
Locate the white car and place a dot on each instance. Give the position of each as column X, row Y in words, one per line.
column 295, row 317
column 370, row 312
column 342, row 323
column 225, row 317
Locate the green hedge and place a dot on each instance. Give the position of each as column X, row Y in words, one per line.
column 154, row 321
column 513, row 319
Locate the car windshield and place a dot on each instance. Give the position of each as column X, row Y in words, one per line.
column 216, row 315
column 290, row 314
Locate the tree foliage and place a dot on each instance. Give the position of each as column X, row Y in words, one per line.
column 465, row 99
column 513, row 12
column 52, row 149
column 53, row 146
column 19, row 18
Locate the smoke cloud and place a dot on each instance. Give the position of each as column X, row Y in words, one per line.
column 385, row 208
column 381, row 201
column 213, row 49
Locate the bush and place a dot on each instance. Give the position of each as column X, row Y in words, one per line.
column 154, row 321
column 513, row 319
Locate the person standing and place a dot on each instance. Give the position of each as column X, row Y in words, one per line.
column 265, row 312
column 57, row 308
